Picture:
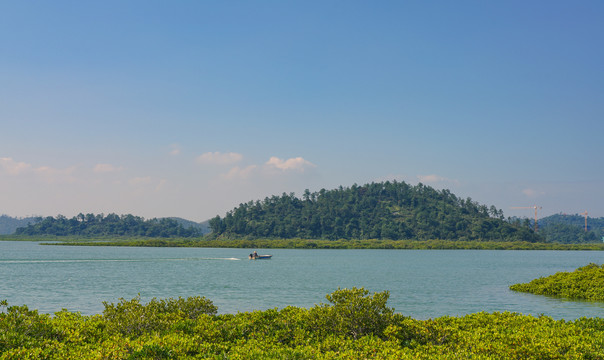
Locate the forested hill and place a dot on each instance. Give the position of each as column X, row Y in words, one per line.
column 110, row 225
column 9, row 224
column 593, row 224
column 203, row 227
column 389, row 210
column 568, row 229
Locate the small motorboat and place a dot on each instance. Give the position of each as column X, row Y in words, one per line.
column 255, row 256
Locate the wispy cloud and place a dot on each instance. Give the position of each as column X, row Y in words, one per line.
column 240, row 173
column 45, row 173
column 136, row 181
column 54, row 175
column 106, row 168
column 147, row 183
column 532, row 193
column 219, row 158
column 175, row 149
column 13, row 167
column 297, row 164
column 160, row 185
column 271, row 168
column 433, row 179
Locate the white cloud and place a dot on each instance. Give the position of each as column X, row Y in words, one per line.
column 105, row 168
column 268, row 170
column 12, row 167
column 146, row 185
column 240, row 173
column 431, row 179
column 53, row 175
column 161, row 184
column 298, row 164
column 45, row 173
column 175, row 150
column 219, row 158
column 532, row 193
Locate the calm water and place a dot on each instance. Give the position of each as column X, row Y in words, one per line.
column 422, row 283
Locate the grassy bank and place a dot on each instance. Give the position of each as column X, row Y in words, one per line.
column 272, row 243
column 352, row 325
column 326, row 244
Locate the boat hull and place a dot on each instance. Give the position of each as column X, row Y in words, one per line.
column 260, row 257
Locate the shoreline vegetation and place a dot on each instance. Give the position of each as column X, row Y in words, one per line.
column 353, row 325
column 306, row 243
column 585, row 283
column 376, row 215
column 387, row 210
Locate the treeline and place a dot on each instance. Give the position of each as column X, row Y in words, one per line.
column 266, row 243
column 109, row 225
column 388, row 210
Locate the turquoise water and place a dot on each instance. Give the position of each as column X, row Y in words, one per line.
column 422, row 283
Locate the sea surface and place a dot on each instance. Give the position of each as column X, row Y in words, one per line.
column 423, row 284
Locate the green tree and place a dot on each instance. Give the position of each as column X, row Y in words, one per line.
column 355, row 313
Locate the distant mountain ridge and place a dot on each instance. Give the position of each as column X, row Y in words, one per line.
column 567, row 229
column 8, row 224
column 204, row 226
column 593, row 224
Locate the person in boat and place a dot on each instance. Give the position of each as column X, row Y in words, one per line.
column 255, row 254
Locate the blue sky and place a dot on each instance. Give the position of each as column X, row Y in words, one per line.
column 189, row 108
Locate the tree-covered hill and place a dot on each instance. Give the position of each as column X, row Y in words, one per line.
column 110, row 225
column 8, row 224
column 388, row 210
column 570, row 229
column 203, row 227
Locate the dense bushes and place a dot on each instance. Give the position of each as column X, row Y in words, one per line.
column 132, row 319
column 584, row 283
column 354, row 325
column 353, row 313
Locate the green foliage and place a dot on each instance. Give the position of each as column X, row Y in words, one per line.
column 595, row 228
column 389, row 210
column 355, row 325
column 568, row 233
column 338, row 244
column 584, row 283
column 131, row 318
column 110, row 225
column 353, row 313
column 21, row 327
